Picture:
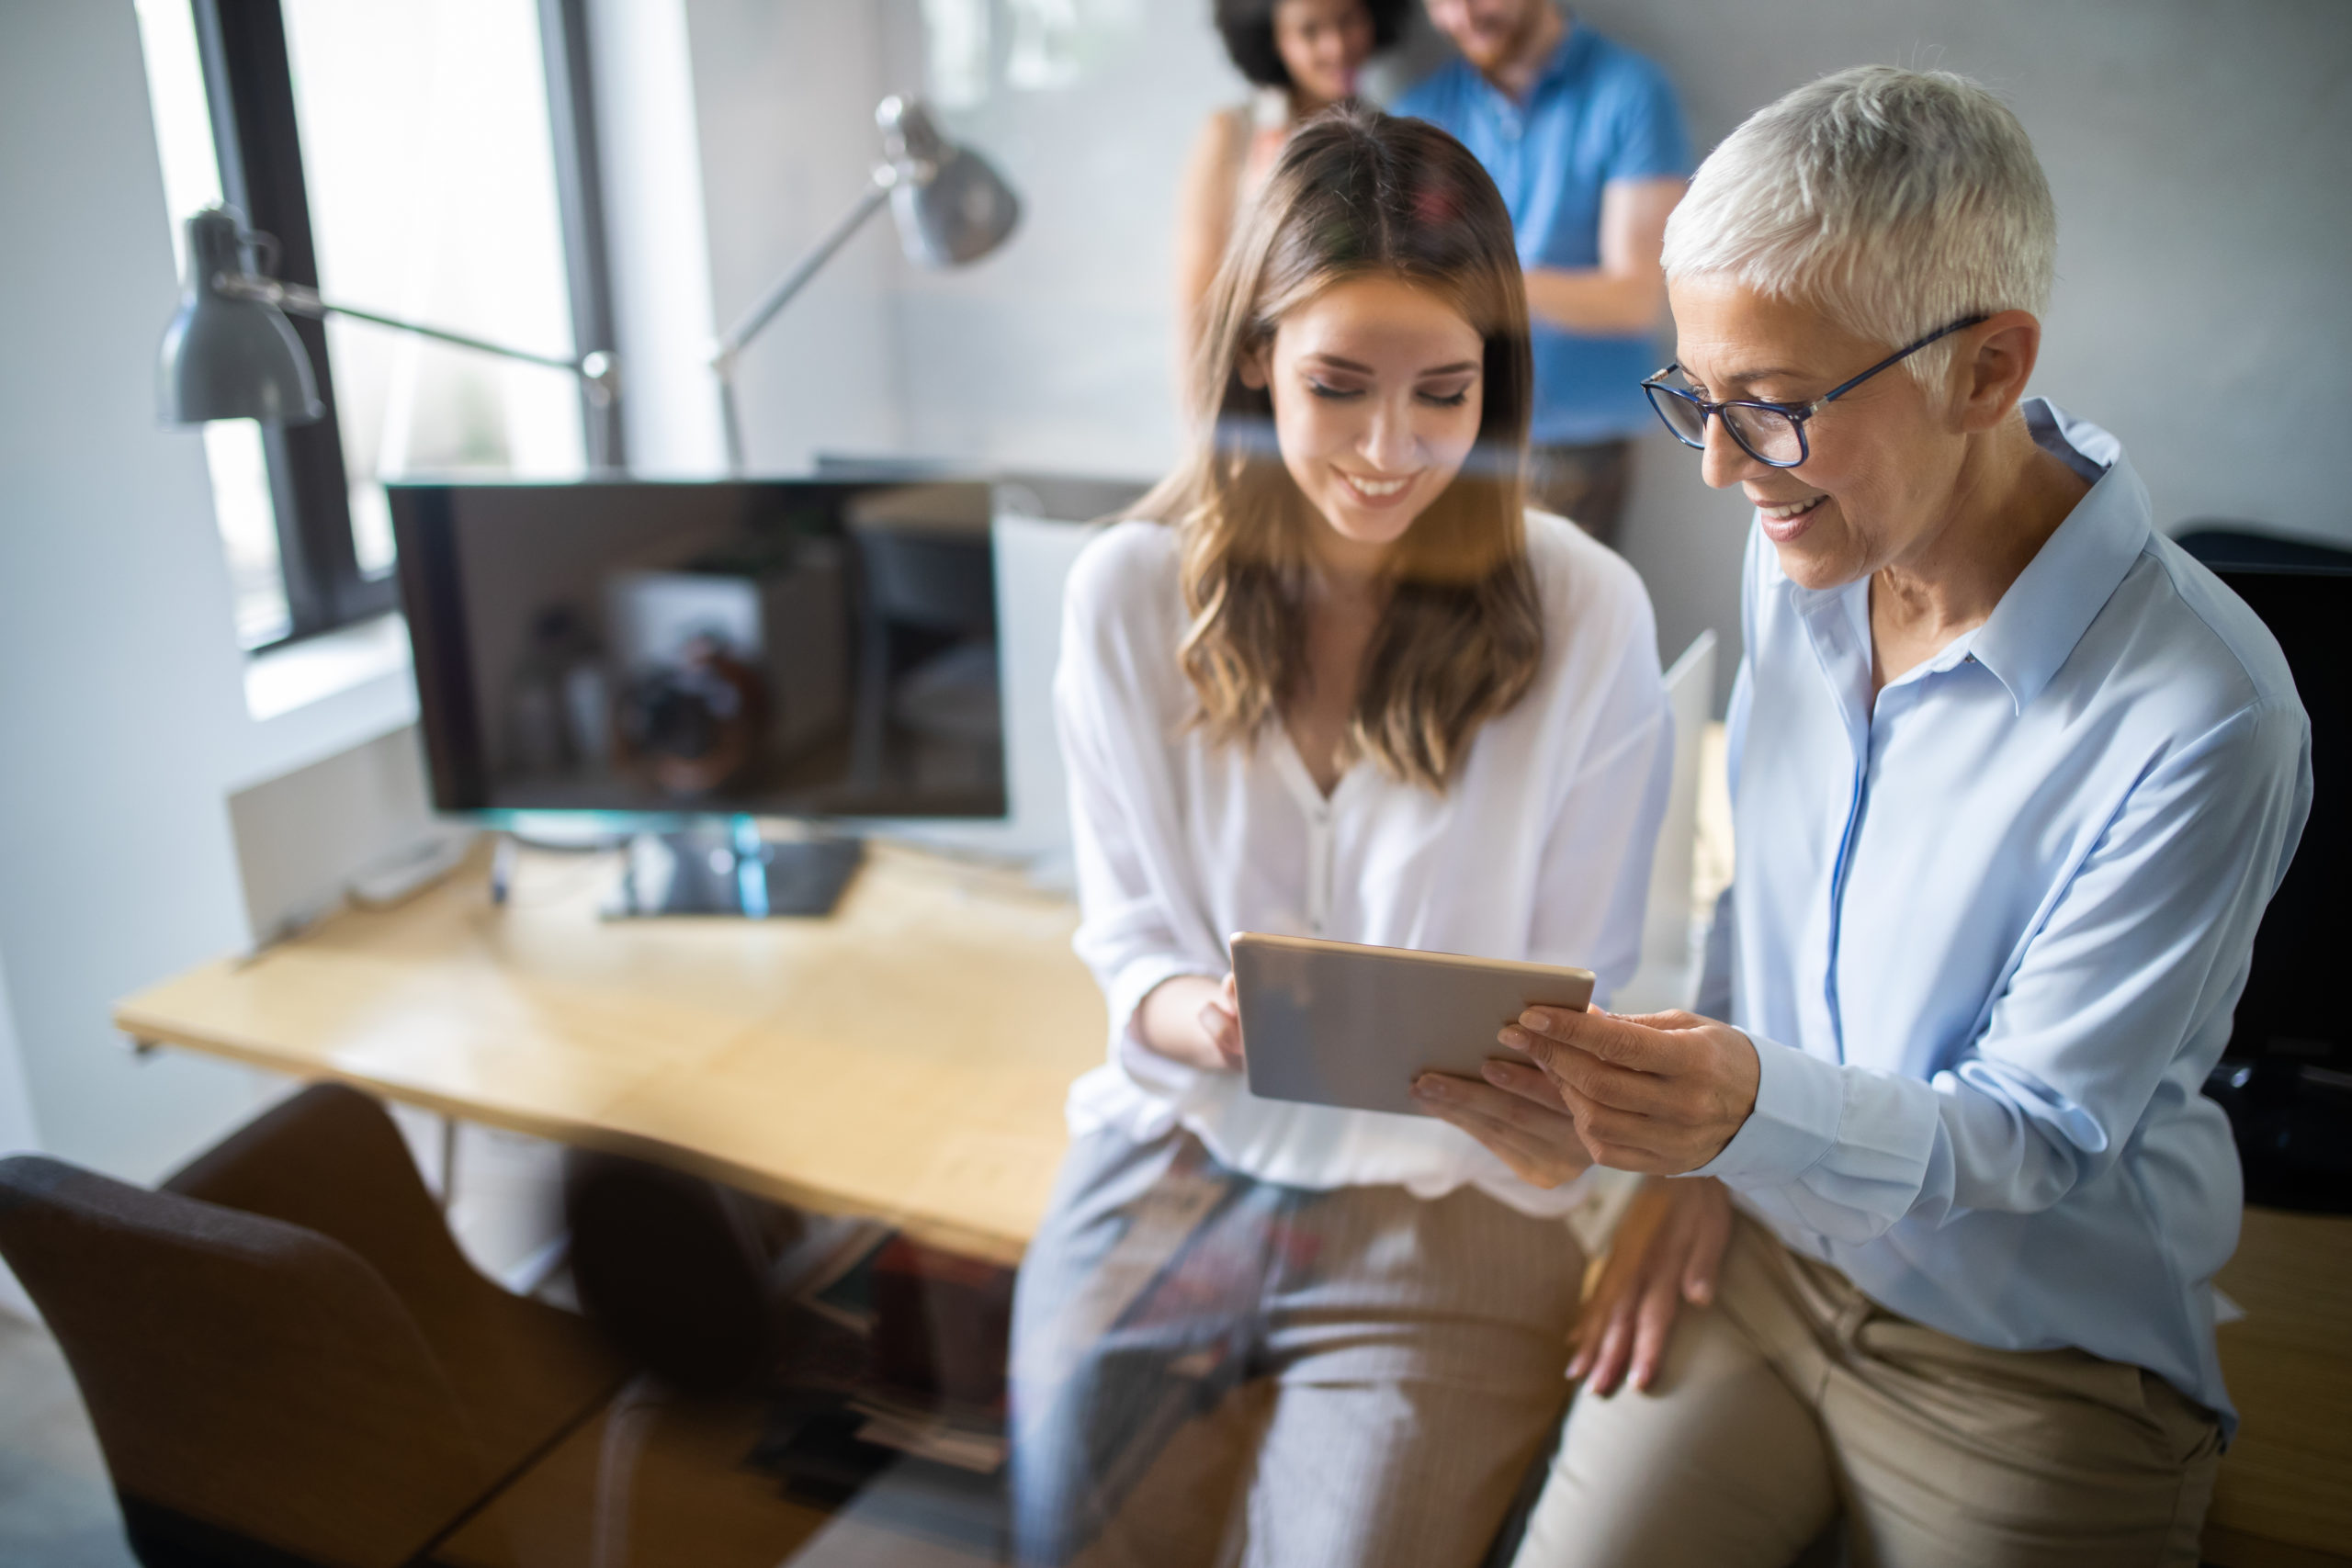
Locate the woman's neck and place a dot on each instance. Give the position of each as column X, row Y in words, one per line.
column 2010, row 498
column 1343, row 568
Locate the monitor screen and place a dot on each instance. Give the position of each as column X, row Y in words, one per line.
column 770, row 647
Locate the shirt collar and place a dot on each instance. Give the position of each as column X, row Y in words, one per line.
column 2034, row 628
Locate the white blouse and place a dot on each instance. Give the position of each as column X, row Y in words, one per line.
column 1540, row 851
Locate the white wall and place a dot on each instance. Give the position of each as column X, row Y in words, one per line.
column 122, row 690
column 784, row 103
column 1057, row 352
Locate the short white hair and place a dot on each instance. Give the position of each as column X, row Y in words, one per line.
column 1895, row 202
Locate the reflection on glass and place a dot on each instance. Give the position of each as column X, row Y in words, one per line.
column 240, row 502
column 956, row 42
column 430, row 164
column 1055, row 42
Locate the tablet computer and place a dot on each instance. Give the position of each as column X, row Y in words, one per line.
column 1341, row 1024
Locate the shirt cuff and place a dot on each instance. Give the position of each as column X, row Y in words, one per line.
column 1799, row 1101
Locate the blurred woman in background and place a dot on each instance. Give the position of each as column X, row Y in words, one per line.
column 1301, row 56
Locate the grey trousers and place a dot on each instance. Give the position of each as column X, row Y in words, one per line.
column 1207, row 1367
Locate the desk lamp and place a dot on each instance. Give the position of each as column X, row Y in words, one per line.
column 230, row 353
column 951, row 206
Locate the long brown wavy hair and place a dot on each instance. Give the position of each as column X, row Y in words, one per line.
column 1359, row 194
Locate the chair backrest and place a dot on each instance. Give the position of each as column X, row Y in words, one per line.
column 259, row 1392
column 330, row 1159
column 2221, row 543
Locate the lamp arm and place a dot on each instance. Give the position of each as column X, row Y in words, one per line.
column 747, row 327
column 887, row 176
column 596, row 368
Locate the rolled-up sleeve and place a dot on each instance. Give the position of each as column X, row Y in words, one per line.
column 1122, row 820
column 2094, row 1012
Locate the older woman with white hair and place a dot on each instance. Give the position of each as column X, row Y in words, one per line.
column 2013, row 780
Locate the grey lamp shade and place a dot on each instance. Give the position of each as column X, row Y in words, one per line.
column 961, row 213
column 226, row 357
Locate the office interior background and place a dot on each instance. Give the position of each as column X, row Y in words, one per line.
column 167, row 796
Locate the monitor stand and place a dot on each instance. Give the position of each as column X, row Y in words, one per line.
column 733, row 870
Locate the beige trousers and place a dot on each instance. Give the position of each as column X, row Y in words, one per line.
column 1796, row 1398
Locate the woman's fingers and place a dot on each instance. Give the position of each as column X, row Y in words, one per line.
column 1615, row 1348
column 1536, row 1161
column 1711, row 1238
column 1612, row 1138
column 1527, row 1081
column 1222, row 1024
column 1547, row 1121
column 1661, row 1295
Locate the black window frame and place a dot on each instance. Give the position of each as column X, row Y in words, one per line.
column 249, row 92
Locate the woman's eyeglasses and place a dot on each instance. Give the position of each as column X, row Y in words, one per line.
column 1772, row 434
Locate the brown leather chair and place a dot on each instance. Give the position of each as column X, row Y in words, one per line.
column 285, row 1356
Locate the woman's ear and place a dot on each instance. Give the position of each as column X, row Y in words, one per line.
column 1997, row 365
column 1250, row 366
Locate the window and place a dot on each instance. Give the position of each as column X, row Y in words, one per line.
column 429, row 159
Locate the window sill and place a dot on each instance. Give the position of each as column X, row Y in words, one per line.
column 330, row 692
column 312, row 671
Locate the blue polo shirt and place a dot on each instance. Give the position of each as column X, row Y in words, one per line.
column 1599, row 112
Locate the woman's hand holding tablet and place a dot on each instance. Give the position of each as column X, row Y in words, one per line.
column 1193, row 1018
column 1390, row 1030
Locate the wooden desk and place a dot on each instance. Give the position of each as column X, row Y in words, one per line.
column 2284, row 1497
column 905, row 1060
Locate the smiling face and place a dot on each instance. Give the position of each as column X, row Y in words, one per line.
column 1884, row 460
column 1323, row 45
column 1378, row 389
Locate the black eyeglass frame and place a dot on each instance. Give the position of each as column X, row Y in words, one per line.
column 1796, row 413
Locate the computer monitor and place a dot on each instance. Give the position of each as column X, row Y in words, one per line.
column 667, row 656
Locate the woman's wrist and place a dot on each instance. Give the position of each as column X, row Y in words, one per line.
column 1171, row 1021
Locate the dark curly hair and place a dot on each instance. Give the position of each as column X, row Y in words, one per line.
column 1248, row 27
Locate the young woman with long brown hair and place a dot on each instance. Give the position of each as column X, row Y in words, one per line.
column 1333, row 679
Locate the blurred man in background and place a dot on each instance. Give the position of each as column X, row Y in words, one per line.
column 1586, row 141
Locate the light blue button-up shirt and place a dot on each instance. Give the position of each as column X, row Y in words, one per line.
column 1989, row 929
